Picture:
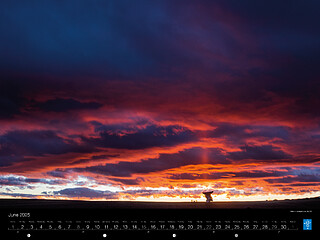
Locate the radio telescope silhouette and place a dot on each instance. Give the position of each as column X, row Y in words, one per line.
column 208, row 196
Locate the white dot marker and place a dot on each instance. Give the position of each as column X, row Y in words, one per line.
column 28, row 235
column 104, row 235
column 174, row 235
column 236, row 235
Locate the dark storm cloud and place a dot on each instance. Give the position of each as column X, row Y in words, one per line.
column 21, row 181
column 85, row 193
column 196, row 176
column 259, row 174
column 95, row 158
column 224, row 175
column 127, row 181
column 150, row 136
column 263, row 153
column 164, row 162
column 46, row 181
column 17, row 144
column 58, row 173
column 10, row 159
column 66, row 104
column 12, row 181
column 37, row 143
column 237, row 134
column 296, row 179
column 303, row 184
column 22, row 195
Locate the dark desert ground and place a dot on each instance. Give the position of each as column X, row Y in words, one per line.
column 307, row 203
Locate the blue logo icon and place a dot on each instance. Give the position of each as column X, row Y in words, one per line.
column 307, row 224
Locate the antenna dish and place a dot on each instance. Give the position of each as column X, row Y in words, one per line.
column 208, row 196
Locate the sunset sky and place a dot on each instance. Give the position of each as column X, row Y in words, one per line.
column 160, row 100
